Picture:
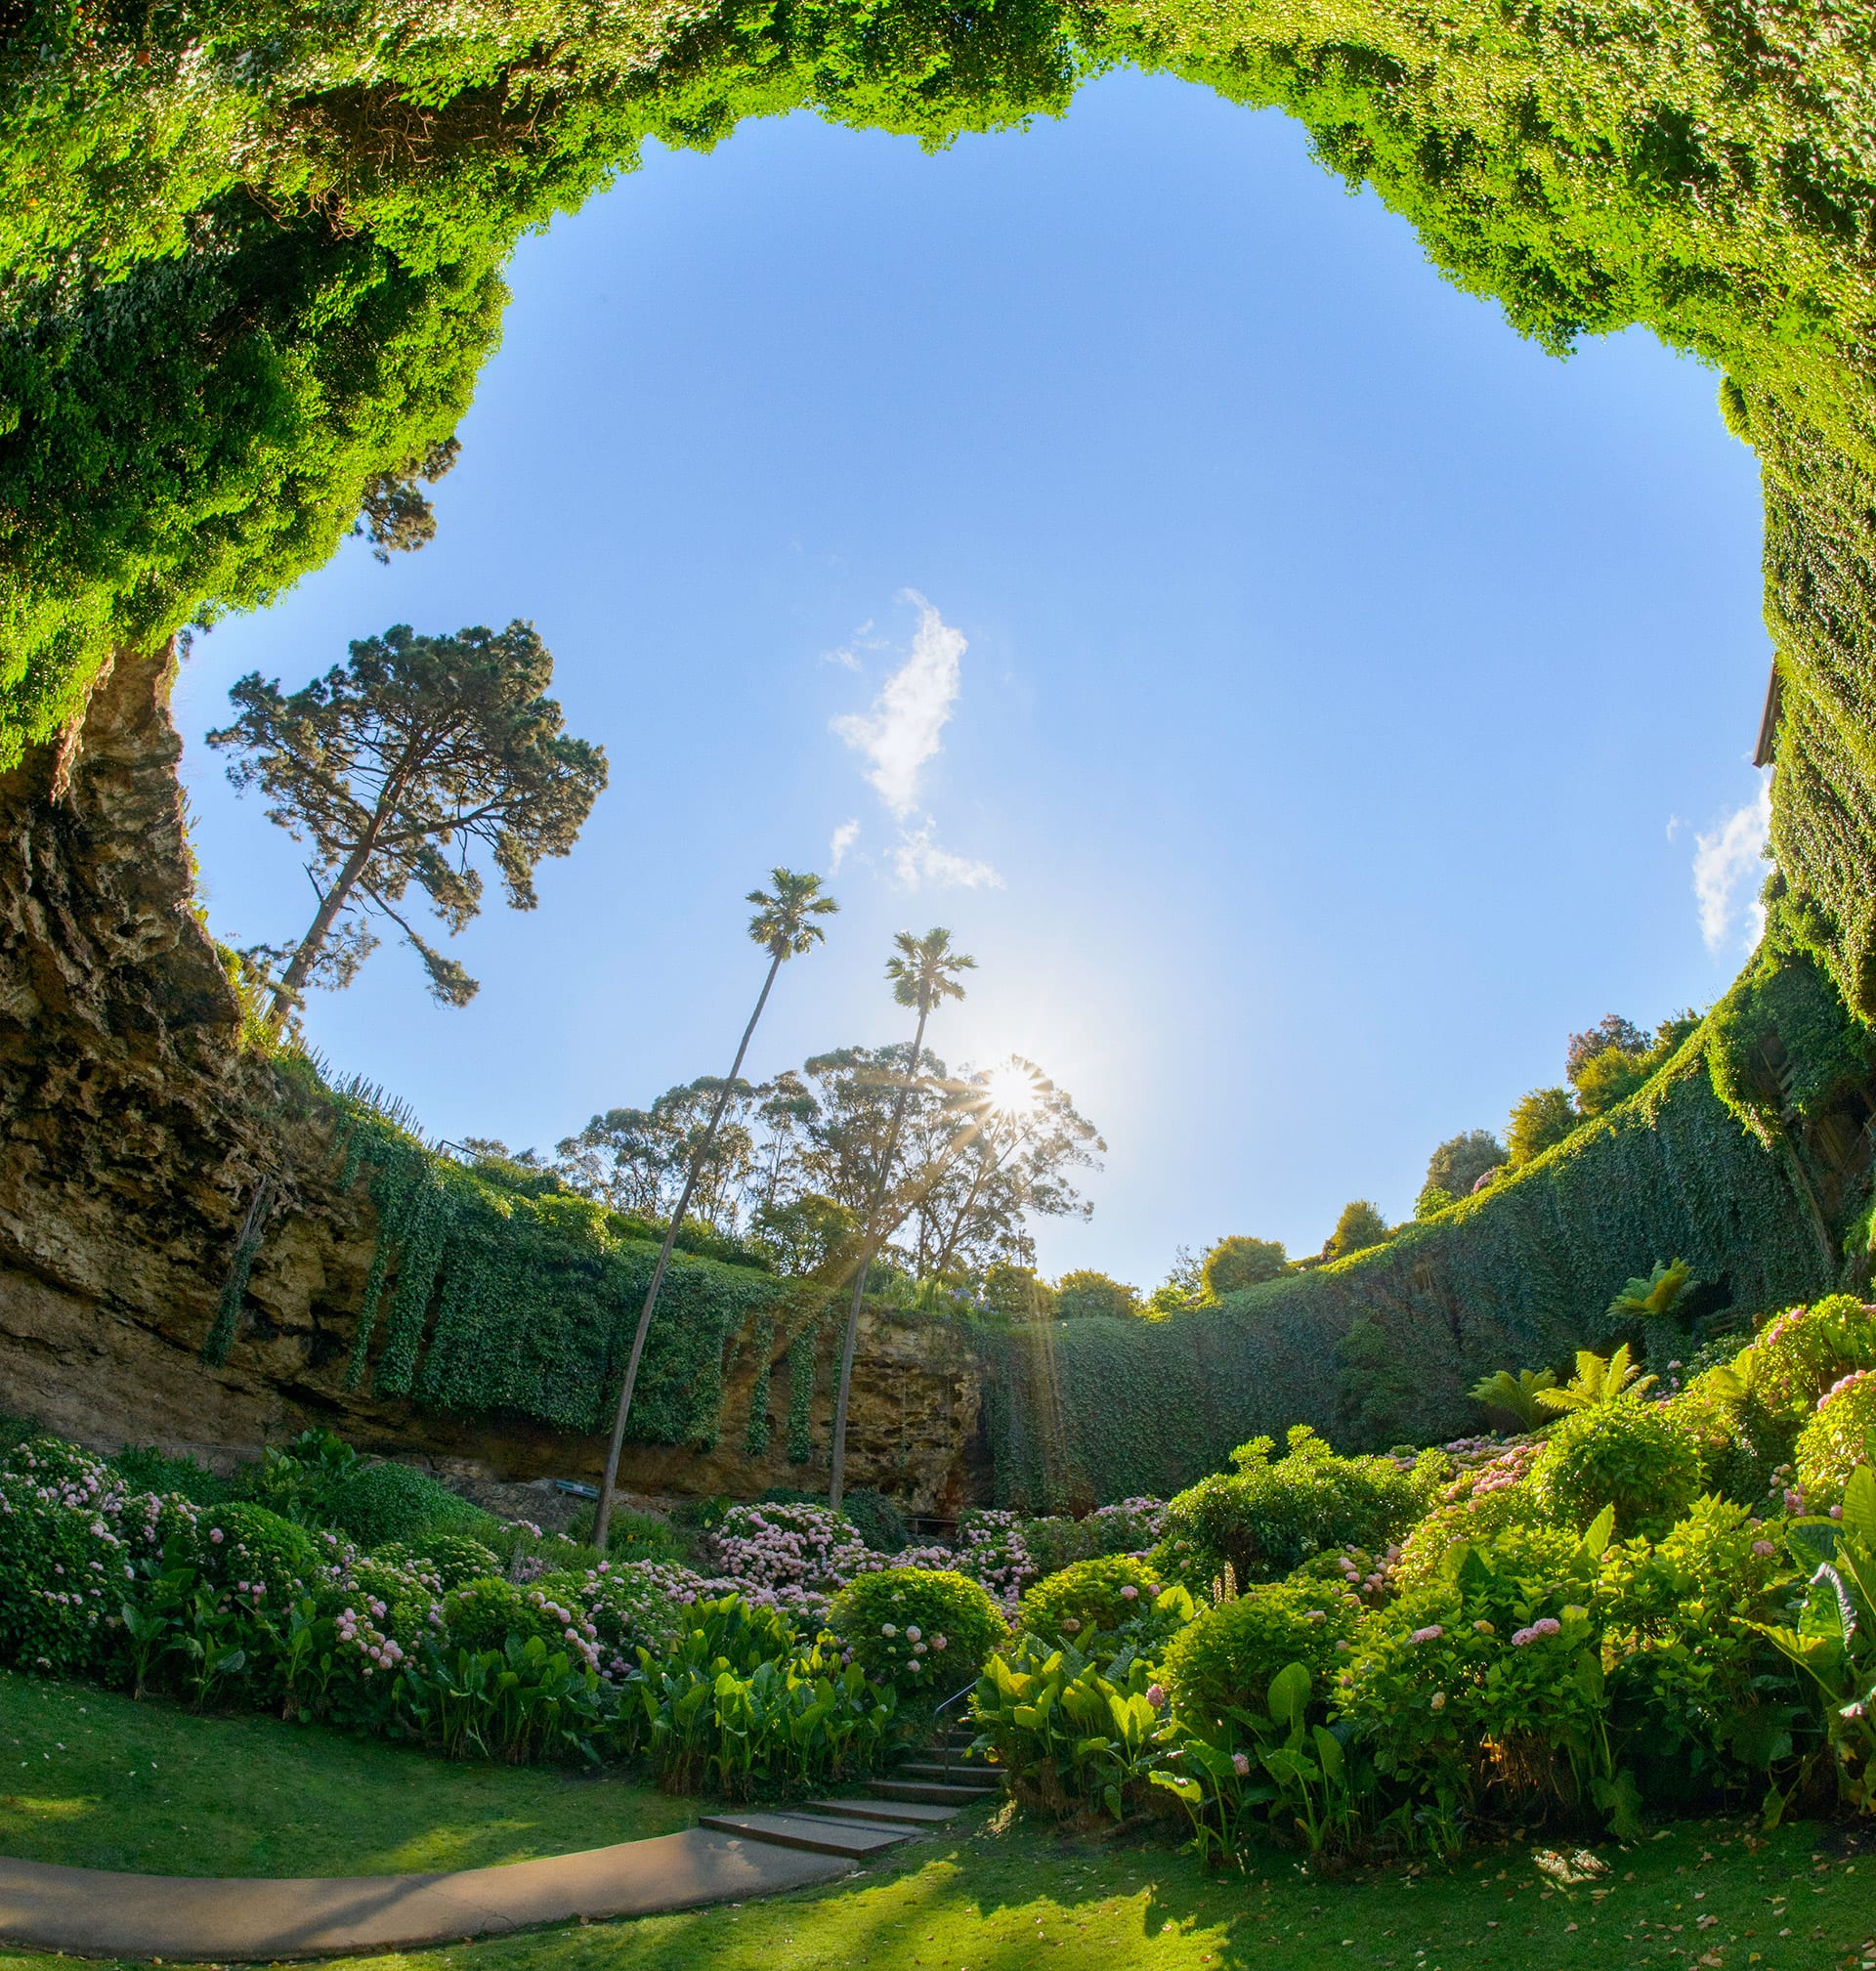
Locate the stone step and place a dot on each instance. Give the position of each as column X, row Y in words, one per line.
column 931, row 1792
column 967, row 1772
column 892, row 1813
column 818, row 1833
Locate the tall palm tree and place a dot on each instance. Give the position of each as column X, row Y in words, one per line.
column 785, row 926
column 921, row 975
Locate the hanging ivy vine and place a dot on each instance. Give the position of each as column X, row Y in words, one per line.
column 803, row 1358
column 755, row 1438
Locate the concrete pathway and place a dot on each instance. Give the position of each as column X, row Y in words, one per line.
column 198, row 1919
column 729, row 1857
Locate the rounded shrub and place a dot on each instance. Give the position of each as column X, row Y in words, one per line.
column 637, row 1605
column 483, row 1615
column 240, row 1543
column 142, row 1467
column 1092, row 1596
column 1627, row 1454
column 451, row 1558
column 1224, row 1658
column 1271, row 1514
column 378, row 1504
column 1838, row 1439
column 922, row 1631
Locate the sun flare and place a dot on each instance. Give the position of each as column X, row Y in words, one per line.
column 1011, row 1090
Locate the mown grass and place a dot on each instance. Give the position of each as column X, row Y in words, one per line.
column 117, row 1784
column 91, row 1778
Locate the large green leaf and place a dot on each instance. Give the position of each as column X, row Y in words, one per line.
column 1290, row 1690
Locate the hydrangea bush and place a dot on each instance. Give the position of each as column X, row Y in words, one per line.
column 792, row 1557
column 1086, row 1599
column 1839, row 1438
column 921, row 1633
column 991, row 1549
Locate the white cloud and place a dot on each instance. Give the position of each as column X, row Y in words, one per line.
column 847, row 657
column 918, row 861
column 1725, row 865
column 897, row 739
column 901, row 733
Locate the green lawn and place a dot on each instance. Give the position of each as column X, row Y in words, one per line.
column 91, row 1778
column 234, row 1795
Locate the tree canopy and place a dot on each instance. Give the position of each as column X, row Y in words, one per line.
column 1240, row 1261
column 414, row 747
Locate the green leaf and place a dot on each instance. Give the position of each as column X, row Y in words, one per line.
column 1290, row 1690
column 1596, row 1541
column 1859, row 1505
column 1329, row 1752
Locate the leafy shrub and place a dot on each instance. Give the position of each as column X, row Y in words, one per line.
column 1800, row 1354
column 638, row 1605
column 1267, row 1517
column 1687, row 1684
column 482, row 1615
column 63, row 1556
column 879, row 1521
column 1057, row 1541
column 1476, row 1504
column 1224, row 1658
column 1486, row 1685
column 452, row 1559
column 1239, row 1261
column 297, row 1481
column 1085, row 1295
column 142, row 1467
column 1071, row 1739
column 735, row 1707
column 1841, row 1437
column 631, row 1535
column 1627, row 1454
column 378, row 1504
column 1090, row 1597
column 920, row 1632
column 1736, row 1444
column 257, row 1553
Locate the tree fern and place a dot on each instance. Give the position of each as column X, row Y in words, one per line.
column 1597, row 1381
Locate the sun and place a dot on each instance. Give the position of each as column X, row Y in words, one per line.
column 1011, row 1090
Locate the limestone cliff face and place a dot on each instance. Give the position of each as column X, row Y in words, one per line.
column 135, row 1136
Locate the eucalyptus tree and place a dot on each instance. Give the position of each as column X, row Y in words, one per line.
column 414, row 747
column 923, row 974
column 784, row 926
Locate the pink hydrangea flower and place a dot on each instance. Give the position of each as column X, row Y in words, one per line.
column 1241, row 1765
column 1430, row 1634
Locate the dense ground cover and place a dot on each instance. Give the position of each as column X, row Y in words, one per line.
column 93, row 1779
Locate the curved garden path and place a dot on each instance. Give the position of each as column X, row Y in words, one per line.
column 90, row 1913
column 730, row 1856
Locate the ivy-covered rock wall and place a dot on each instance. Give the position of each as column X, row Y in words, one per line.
column 1748, row 1156
column 202, row 1249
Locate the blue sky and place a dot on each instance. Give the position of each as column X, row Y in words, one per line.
column 1310, row 698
